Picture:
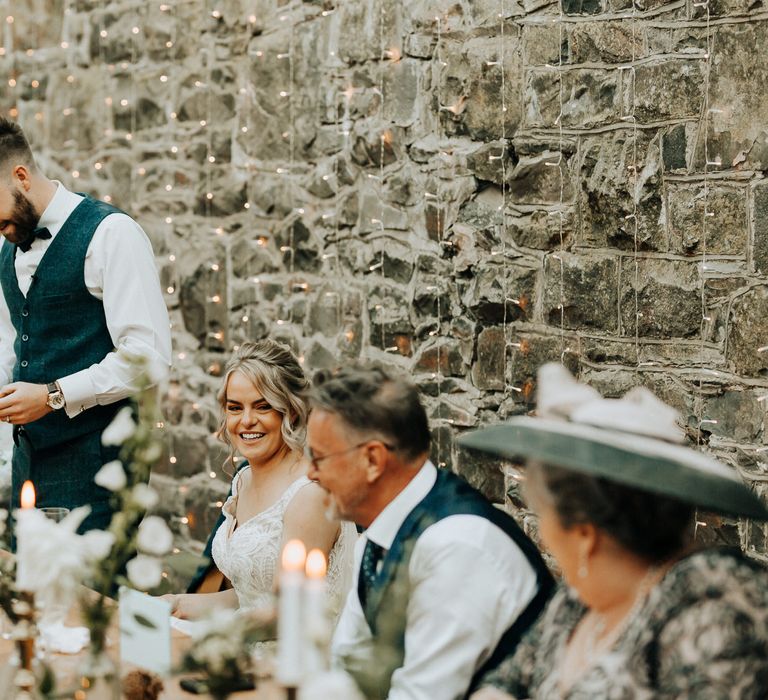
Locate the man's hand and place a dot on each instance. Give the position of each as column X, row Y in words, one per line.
column 23, row 402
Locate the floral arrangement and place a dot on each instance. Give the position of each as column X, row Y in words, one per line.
column 222, row 648
column 335, row 684
column 52, row 559
column 137, row 541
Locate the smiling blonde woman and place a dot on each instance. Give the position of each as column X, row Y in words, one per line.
column 263, row 421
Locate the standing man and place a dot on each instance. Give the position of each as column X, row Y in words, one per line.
column 80, row 298
column 447, row 583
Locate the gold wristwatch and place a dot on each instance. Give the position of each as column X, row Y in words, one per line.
column 55, row 397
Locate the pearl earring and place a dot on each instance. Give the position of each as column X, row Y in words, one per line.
column 583, row 570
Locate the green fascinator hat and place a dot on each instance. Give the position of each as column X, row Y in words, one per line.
column 635, row 440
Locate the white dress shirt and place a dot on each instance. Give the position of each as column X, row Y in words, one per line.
column 119, row 270
column 469, row 582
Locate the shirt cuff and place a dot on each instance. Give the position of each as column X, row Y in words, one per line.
column 78, row 393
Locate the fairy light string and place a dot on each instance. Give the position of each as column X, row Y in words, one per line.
column 439, row 205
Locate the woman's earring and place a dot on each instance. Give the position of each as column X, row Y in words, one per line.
column 583, row 570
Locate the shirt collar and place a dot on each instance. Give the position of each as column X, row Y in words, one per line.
column 62, row 204
column 384, row 528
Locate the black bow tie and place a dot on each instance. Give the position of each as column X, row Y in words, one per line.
column 39, row 233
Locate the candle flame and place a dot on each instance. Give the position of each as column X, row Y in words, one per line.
column 27, row 495
column 294, row 556
column 316, row 564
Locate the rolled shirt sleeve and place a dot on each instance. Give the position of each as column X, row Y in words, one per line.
column 120, row 270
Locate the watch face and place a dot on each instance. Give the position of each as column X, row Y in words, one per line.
column 56, row 400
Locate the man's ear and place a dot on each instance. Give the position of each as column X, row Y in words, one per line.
column 377, row 455
column 22, row 176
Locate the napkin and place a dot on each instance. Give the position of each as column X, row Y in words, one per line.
column 58, row 638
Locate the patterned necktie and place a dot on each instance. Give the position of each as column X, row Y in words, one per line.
column 42, row 233
column 372, row 556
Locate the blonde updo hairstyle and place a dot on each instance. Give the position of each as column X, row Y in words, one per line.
column 277, row 375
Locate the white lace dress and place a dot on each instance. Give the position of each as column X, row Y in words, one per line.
column 249, row 556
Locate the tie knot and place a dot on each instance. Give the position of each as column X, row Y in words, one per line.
column 42, row 233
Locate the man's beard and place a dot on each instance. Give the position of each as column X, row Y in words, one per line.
column 24, row 219
column 332, row 512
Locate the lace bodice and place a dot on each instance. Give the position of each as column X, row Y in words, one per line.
column 249, row 556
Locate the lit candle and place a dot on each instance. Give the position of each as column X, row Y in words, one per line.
column 289, row 621
column 26, row 511
column 27, row 495
column 316, row 612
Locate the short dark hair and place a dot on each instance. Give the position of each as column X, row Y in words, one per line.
column 651, row 526
column 14, row 144
column 371, row 399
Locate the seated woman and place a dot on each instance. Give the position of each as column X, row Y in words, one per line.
column 643, row 615
column 264, row 417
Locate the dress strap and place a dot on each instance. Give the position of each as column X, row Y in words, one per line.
column 237, row 478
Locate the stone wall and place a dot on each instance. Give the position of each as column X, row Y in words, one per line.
column 462, row 188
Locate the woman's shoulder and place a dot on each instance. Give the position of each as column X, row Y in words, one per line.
column 711, row 588
column 716, row 573
column 303, row 494
column 708, row 626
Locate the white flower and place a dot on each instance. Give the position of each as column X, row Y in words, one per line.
column 221, row 622
column 144, row 496
column 154, row 536
column 144, row 572
column 330, row 684
column 120, row 429
column 97, row 544
column 51, row 557
column 111, row 476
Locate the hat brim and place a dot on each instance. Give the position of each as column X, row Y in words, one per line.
column 645, row 463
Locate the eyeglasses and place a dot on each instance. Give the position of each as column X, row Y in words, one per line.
column 315, row 461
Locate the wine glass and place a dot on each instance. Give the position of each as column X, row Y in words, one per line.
column 55, row 513
column 52, row 612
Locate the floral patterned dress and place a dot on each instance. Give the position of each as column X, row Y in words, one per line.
column 701, row 634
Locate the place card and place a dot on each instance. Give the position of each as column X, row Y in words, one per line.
column 145, row 631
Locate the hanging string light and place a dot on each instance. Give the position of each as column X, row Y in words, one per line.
column 439, row 223
column 706, row 215
column 633, row 173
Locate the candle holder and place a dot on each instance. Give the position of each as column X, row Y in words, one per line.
column 24, row 635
